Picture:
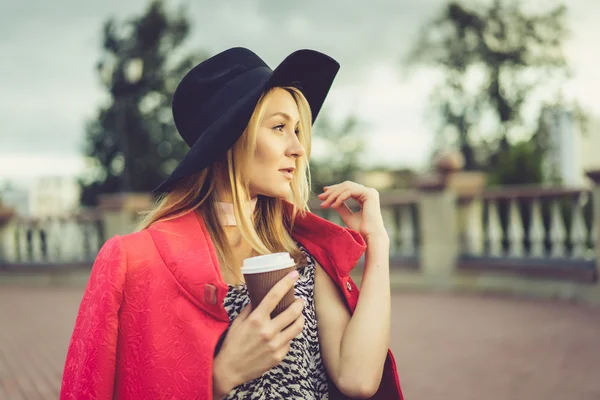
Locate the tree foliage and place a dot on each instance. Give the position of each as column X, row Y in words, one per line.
column 132, row 144
column 497, row 63
column 342, row 148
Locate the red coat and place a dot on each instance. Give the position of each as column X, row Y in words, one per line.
column 152, row 312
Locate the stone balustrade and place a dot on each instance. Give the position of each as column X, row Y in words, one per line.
column 450, row 232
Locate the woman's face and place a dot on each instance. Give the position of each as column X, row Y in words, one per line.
column 277, row 147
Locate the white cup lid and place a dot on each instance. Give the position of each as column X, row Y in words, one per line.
column 267, row 263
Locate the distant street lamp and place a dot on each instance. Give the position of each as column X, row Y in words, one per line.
column 134, row 69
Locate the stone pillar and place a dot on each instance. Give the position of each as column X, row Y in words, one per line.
column 468, row 186
column 595, row 177
column 120, row 211
column 438, row 223
column 8, row 243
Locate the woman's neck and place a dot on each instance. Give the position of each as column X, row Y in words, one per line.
column 226, row 212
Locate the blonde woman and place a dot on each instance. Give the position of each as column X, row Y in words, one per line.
column 166, row 314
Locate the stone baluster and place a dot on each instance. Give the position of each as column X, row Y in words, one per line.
column 22, row 240
column 55, row 239
column 391, row 226
column 536, row 230
column 36, row 241
column 494, row 230
column 473, row 232
column 72, row 245
column 578, row 234
column 93, row 236
column 558, row 233
column 595, row 177
column 407, row 231
column 516, row 233
column 8, row 231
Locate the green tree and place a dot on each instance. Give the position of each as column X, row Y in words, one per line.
column 132, row 144
column 493, row 58
column 341, row 148
column 521, row 163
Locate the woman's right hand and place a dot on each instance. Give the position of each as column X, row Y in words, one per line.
column 256, row 343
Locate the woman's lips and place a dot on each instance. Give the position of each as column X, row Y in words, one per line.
column 287, row 174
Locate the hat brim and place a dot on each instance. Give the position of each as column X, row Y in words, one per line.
column 310, row 71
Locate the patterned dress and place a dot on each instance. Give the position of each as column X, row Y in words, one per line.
column 301, row 374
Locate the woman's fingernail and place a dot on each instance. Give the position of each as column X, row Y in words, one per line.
column 294, row 274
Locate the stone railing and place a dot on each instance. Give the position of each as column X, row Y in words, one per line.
column 400, row 213
column 537, row 222
column 69, row 240
column 73, row 239
column 532, row 230
column 449, row 232
column 526, row 239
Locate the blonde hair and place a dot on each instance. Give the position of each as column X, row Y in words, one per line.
column 268, row 229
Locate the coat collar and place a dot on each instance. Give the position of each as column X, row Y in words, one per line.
column 189, row 253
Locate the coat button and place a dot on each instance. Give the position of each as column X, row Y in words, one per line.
column 348, row 286
column 210, row 294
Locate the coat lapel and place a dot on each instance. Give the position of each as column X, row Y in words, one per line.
column 189, row 253
column 336, row 248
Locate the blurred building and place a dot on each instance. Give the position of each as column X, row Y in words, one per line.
column 572, row 152
column 564, row 158
column 16, row 198
column 590, row 146
column 54, row 196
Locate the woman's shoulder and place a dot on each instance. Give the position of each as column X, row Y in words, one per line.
column 125, row 247
column 136, row 238
column 137, row 244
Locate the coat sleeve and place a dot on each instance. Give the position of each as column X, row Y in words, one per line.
column 91, row 358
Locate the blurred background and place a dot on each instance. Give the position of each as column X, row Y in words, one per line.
column 476, row 120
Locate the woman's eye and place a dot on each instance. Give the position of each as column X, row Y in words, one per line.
column 279, row 127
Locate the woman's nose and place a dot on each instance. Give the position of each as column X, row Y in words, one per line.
column 296, row 148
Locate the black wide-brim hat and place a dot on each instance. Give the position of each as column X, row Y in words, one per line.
column 214, row 101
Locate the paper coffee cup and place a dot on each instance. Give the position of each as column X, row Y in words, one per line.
column 263, row 272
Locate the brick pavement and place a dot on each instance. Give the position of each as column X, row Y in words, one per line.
column 447, row 346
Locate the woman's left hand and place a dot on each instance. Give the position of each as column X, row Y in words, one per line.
column 368, row 221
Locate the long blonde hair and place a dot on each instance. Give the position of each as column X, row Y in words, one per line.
column 268, row 229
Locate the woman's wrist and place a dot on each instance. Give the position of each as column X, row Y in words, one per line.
column 222, row 380
column 379, row 237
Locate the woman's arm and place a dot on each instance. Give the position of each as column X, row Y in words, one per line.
column 222, row 384
column 91, row 359
column 354, row 347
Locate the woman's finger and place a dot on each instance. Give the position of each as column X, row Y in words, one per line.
column 332, row 196
column 244, row 313
column 324, row 195
column 327, row 192
column 293, row 329
column 345, row 195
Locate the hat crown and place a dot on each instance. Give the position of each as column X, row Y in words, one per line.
column 215, row 100
column 200, row 86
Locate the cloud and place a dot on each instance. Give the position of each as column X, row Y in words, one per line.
column 49, row 50
column 25, row 168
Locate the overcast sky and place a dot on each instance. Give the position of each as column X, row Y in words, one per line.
column 48, row 50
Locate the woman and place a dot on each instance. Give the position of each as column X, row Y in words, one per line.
column 166, row 313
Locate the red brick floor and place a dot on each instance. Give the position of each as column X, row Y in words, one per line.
column 447, row 346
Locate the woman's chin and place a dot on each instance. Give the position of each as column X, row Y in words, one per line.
column 283, row 193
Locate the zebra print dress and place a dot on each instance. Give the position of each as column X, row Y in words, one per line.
column 301, row 374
